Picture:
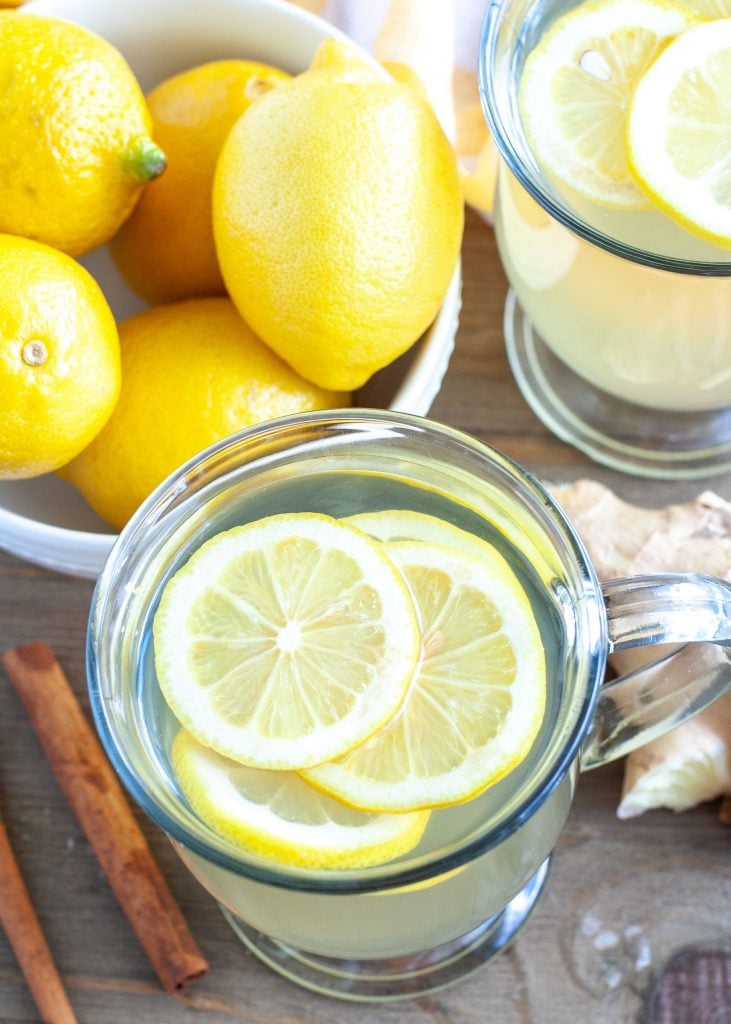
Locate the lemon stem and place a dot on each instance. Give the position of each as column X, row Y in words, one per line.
column 144, row 160
column 34, row 353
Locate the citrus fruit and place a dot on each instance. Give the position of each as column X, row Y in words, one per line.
column 165, row 250
column 710, row 8
column 192, row 373
column 337, row 215
column 576, row 86
column 405, row 524
column 59, row 358
column 286, row 641
column 276, row 815
column 679, row 131
column 476, row 701
column 76, row 147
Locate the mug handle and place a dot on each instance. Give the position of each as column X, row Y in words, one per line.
column 666, row 608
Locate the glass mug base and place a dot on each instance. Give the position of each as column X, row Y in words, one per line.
column 397, row 977
column 622, row 435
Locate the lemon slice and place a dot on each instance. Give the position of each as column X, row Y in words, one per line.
column 276, row 815
column 404, row 524
column 576, row 86
column 679, row 131
column 287, row 641
column 476, row 702
column 710, row 8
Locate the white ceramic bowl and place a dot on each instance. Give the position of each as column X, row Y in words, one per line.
column 45, row 520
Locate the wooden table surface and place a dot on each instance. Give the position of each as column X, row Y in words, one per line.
column 621, row 898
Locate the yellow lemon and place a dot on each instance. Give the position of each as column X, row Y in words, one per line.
column 576, row 87
column 710, row 8
column 679, row 127
column 59, row 358
column 338, row 216
column 476, row 702
column 285, row 639
column 76, row 148
column 276, row 815
column 165, row 250
column 192, row 373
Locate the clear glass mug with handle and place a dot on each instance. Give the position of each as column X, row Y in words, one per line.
column 431, row 916
column 616, row 323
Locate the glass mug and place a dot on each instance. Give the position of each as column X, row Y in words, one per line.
column 616, row 325
column 435, row 914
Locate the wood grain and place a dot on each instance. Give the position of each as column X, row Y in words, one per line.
column 622, row 897
column 22, row 928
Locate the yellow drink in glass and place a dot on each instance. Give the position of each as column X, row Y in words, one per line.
column 617, row 325
column 432, row 915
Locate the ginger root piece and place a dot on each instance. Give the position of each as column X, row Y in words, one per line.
column 693, row 762
column 624, row 540
column 683, row 768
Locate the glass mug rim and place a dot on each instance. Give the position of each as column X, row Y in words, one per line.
column 503, row 132
column 150, row 513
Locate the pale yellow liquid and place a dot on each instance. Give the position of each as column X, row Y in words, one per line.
column 656, row 338
column 398, row 921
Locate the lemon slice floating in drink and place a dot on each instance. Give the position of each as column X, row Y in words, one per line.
column 679, row 131
column 576, row 87
column 287, row 641
column 276, row 815
column 476, row 703
column 405, row 524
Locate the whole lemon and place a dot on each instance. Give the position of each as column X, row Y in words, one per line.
column 59, row 358
column 192, row 373
column 76, row 149
column 165, row 250
column 338, row 217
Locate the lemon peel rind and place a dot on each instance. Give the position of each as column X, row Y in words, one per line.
column 201, row 773
column 488, row 764
column 396, row 525
column 647, row 156
column 368, row 713
column 539, row 113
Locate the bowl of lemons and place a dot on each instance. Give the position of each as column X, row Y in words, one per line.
column 237, row 215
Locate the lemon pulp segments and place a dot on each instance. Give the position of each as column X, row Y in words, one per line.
column 477, row 701
column 276, row 815
column 286, row 642
column 679, row 131
column 576, row 86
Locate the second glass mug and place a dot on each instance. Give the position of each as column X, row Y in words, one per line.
column 434, row 915
column 616, row 325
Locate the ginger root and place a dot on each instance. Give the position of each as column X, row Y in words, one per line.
column 693, row 762
column 684, row 767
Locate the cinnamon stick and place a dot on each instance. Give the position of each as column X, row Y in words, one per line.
column 31, row 950
column 97, row 799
